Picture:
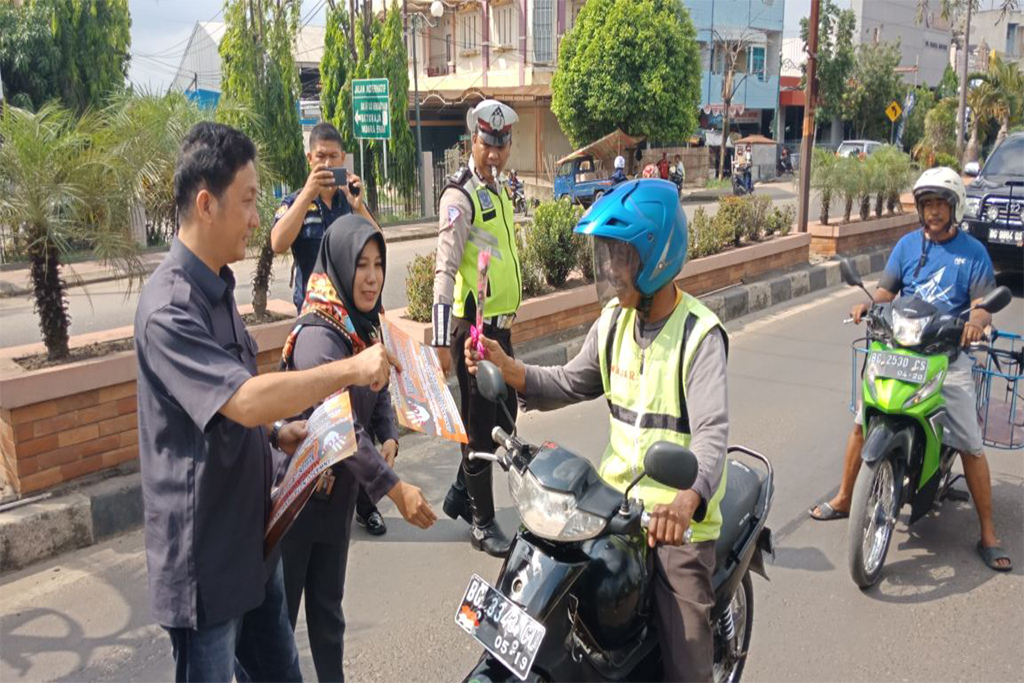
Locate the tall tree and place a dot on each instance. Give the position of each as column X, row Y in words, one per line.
column 874, row 84
column 629, row 64
column 731, row 49
column 836, row 56
column 74, row 50
column 948, row 84
column 260, row 91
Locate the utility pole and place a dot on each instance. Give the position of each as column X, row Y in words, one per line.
column 810, row 102
column 961, row 110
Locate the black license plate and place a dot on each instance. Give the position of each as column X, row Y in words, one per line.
column 1005, row 236
column 900, row 366
column 501, row 626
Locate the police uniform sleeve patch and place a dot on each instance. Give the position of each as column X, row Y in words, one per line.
column 281, row 210
column 454, row 213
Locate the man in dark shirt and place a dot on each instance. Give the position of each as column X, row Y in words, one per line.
column 203, row 451
column 303, row 217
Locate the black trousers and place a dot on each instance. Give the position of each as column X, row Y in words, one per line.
column 317, row 568
column 478, row 414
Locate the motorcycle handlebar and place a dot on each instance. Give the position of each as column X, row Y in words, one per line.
column 645, row 523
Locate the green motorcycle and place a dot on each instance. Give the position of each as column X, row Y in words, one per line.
column 910, row 347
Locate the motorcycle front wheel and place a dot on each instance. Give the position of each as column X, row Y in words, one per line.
column 731, row 650
column 873, row 513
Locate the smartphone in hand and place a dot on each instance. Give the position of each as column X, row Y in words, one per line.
column 340, row 176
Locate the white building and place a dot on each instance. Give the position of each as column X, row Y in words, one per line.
column 1004, row 35
column 924, row 44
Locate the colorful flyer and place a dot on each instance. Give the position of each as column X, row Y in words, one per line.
column 419, row 393
column 330, row 438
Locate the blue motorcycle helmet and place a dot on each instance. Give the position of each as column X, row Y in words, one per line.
column 640, row 238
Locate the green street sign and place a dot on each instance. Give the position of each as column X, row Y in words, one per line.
column 371, row 109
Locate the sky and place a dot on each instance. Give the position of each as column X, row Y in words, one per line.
column 161, row 28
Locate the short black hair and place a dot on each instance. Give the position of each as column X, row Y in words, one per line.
column 209, row 157
column 325, row 132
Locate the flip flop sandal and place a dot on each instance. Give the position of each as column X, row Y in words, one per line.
column 826, row 513
column 991, row 556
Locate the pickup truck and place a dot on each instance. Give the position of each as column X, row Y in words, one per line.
column 995, row 203
column 579, row 181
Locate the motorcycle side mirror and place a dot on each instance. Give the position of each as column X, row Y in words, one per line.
column 849, row 272
column 490, row 382
column 996, row 300
column 670, row 464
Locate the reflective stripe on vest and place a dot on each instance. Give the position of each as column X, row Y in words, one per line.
column 646, row 393
column 494, row 227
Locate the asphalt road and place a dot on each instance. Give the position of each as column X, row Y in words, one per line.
column 938, row 613
column 108, row 305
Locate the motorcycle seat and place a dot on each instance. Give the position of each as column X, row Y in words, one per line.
column 742, row 489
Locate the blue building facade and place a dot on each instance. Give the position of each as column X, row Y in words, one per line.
column 757, row 24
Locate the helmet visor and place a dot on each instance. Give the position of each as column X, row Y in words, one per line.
column 616, row 266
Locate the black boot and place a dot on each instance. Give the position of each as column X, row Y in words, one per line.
column 456, row 503
column 485, row 535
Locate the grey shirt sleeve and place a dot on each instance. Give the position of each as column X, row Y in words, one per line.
column 316, row 346
column 455, row 213
column 578, row 380
column 707, row 401
column 193, row 367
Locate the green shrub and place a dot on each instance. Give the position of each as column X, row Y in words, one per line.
column 780, row 221
column 533, row 279
column 733, row 218
column 419, row 287
column 702, row 239
column 949, row 160
column 825, row 180
column 552, row 240
column 760, row 215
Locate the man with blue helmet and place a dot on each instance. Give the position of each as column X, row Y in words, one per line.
column 658, row 356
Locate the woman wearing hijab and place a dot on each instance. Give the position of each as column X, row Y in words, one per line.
column 339, row 318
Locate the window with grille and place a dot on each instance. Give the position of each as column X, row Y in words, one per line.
column 543, row 30
column 755, row 62
column 506, row 20
column 468, row 40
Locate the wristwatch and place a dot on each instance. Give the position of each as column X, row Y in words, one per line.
column 276, row 432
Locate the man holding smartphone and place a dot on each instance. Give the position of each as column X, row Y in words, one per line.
column 330, row 192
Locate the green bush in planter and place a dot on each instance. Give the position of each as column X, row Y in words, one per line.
column 825, row 180
column 533, row 279
column 947, row 160
column 703, row 239
column 760, row 215
column 419, row 287
column 552, row 240
column 734, row 218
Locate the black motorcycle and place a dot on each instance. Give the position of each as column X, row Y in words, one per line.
column 742, row 181
column 676, row 175
column 572, row 601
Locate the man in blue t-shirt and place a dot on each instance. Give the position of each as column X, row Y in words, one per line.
column 952, row 271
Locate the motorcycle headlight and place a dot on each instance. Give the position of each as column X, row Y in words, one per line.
column 550, row 514
column 926, row 390
column 971, row 207
column 907, row 331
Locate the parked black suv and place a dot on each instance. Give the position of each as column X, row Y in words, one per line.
column 995, row 203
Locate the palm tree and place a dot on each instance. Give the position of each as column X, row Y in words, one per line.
column 1008, row 85
column 823, row 180
column 982, row 100
column 62, row 189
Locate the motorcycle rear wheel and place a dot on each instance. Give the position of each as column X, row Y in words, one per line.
column 873, row 513
column 742, row 605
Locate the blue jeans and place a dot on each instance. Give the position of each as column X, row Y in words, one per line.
column 257, row 646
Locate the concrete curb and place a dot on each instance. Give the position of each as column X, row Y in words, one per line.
column 83, row 517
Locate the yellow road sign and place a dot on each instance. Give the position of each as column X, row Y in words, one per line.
column 893, row 111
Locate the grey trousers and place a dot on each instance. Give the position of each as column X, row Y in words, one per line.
column 683, row 599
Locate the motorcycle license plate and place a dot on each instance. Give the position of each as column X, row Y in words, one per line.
column 501, row 626
column 899, row 366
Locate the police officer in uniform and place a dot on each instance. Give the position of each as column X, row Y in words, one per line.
column 476, row 213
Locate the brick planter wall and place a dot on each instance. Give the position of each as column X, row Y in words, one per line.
column 858, row 236
column 565, row 310
column 61, row 423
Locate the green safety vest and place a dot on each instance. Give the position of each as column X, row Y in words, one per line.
column 493, row 227
column 646, row 383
